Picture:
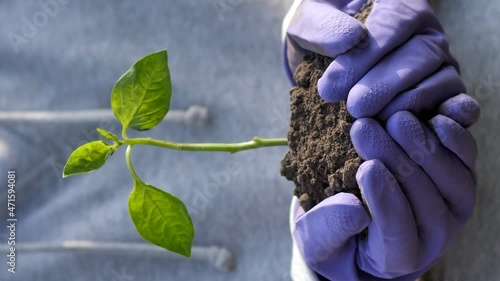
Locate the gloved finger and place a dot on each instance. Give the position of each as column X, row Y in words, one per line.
column 393, row 241
column 462, row 108
column 371, row 141
column 395, row 73
column 423, row 98
column 456, row 138
column 350, row 7
column 390, row 24
column 327, row 229
column 452, row 178
column 321, row 28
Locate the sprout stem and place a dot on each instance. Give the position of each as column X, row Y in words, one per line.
column 256, row 142
column 129, row 164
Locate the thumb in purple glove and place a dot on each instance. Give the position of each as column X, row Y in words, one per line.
column 328, row 228
column 328, row 236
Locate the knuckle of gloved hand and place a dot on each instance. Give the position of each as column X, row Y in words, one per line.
column 409, row 128
column 362, row 128
column 366, row 101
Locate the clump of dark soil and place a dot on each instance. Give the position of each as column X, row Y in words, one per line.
column 322, row 160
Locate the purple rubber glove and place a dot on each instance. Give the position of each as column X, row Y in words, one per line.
column 323, row 27
column 405, row 46
column 461, row 108
column 418, row 186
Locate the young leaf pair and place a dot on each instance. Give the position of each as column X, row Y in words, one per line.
column 140, row 100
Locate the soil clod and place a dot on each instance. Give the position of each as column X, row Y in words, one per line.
column 322, row 160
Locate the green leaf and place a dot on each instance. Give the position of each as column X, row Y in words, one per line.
column 87, row 158
column 141, row 97
column 161, row 218
column 108, row 135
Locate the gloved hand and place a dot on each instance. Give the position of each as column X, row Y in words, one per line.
column 418, row 186
column 461, row 108
column 404, row 46
column 323, row 27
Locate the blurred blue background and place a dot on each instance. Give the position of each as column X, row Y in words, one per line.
column 224, row 55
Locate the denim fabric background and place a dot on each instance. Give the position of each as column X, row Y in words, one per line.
column 472, row 28
column 228, row 60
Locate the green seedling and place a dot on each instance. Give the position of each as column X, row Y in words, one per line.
column 140, row 100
